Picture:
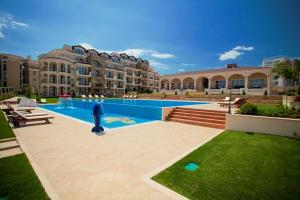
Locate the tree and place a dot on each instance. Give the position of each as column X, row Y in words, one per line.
column 286, row 71
column 297, row 74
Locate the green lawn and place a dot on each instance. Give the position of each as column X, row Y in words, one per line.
column 236, row 165
column 18, row 180
column 5, row 129
column 52, row 100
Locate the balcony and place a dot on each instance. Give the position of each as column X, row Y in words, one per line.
column 109, row 76
column 80, row 84
column 119, row 86
column 120, row 78
column 44, row 81
column 89, row 74
column 53, row 81
column 62, row 82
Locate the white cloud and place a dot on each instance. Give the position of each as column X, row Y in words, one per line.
column 162, row 55
column 230, row 55
column 243, row 48
column 7, row 22
column 87, row 45
column 234, row 53
column 158, row 65
column 181, row 70
column 136, row 52
column 187, row 64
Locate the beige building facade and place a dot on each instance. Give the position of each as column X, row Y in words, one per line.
column 12, row 72
column 240, row 80
column 77, row 71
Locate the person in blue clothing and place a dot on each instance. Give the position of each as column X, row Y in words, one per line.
column 97, row 112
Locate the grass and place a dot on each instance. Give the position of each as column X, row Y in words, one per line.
column 52, row 100
column 5, row 129
column 236, row 165
column 18, row 180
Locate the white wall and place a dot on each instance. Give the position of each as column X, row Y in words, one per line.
column 261, row 124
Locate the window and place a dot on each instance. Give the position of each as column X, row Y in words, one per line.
column 68, row 68
column 78, row 50
column 62, row 68
column 95, row 63
column 220, row 84
column 237, row 84
column 257, row 83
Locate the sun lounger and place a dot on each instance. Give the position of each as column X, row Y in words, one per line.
column 90, row 96
column 96, row 96
column 35, row 114
column 10, row 109
column 237, row 102
column 102, row 96
column 226, row 99
column 134, row 96
column 83, row 96
column 124, row 96
column 43, row 101
column 130, row 96
column 18, row 118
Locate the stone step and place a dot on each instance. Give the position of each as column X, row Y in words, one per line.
column 10, row 152
column 8, row 145
column 200, row 110
column 202, row 115
column 7, row 140
column 200, row 119
column 203, row 112
column 192, row 122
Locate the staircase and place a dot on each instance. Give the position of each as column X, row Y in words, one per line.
column 9, row 147
column 199, row 117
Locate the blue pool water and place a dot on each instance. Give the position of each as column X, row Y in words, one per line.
column 119, row 112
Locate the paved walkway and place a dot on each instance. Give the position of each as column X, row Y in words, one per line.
column 77, row 164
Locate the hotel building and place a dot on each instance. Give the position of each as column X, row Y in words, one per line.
column 76, row 70
column 240, row 80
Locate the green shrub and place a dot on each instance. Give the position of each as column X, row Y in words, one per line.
column 291, row 93
column 7, row 96
column 248, row 109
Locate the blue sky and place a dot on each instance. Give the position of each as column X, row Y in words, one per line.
column 174, row 35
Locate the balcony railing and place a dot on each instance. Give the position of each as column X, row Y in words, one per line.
column 109, row 76
column 52, row 81
column 80, row 84
column 62, row 82
column 84, row 73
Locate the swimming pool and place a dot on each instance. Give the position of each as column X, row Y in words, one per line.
column 119, row 112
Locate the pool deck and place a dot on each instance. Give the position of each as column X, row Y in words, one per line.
column 72, row 163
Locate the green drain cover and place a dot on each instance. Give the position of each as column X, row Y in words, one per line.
column 191, row 166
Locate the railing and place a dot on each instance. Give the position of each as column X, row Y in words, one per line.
column 109, row 76
column 84, row 74
column 51, row 69
column 62, row 82
column 79, row 84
